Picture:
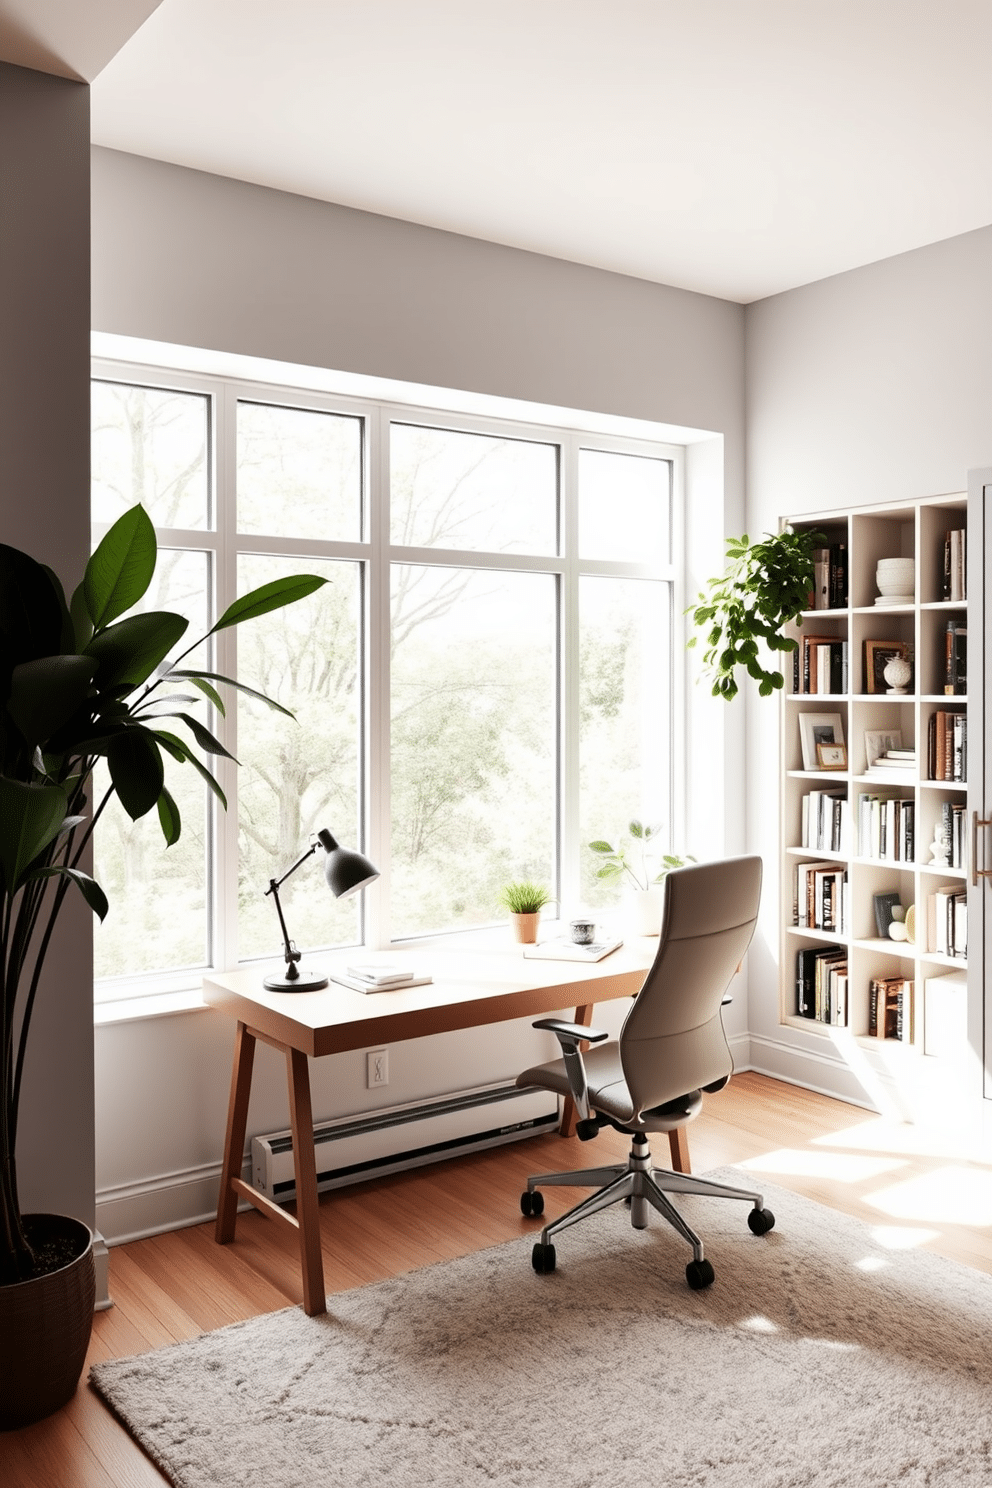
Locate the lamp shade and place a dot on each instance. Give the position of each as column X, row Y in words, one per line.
column 346, row 871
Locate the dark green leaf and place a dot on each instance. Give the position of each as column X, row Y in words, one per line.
column 82, row 625
column 91, row 890
column 204, row 737
column 202, row 770
column 121, row 569
column 168, row 815
column 211, row 694
column 129, row 651
column 30, row 609
column 176, row 747
column 268, row 597
column 230, row 681
column 135, row 763
column 30, row 818
column 46, row 692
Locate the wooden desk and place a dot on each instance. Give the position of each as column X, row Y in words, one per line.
column 470, row 988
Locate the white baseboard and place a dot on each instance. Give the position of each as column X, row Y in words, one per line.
column 170, row 1201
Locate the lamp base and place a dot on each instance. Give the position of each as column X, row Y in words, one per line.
column 308, row 979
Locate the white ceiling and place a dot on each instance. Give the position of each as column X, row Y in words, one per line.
column 738, row 147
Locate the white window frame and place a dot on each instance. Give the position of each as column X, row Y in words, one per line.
column 223, row 546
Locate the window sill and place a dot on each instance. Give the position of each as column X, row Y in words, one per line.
column 158, row 1005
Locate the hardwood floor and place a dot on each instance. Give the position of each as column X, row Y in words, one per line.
column 178, row 1285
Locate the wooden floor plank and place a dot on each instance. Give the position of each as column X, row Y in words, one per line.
column 174, row 1286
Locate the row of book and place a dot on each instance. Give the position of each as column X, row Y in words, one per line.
column 947, row 746
column 953, row 832
column 821, row 985
column 829, row 578
column 890, row 1008
column 826, row 822
column 955, row 581
column 821, row 898
column 820, row 665
column 886, row 828
column 947, row 922
column 956, row 658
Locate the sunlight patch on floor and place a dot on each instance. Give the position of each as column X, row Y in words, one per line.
column 759, row 1325
column 915, row 1139
column 950, row 1195
column 902, row 1237
column 846, row 1167
column 871, row 1263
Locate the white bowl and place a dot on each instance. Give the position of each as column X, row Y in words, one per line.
column 899, row 586
column 895, row 565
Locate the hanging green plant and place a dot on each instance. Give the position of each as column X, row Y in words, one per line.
column 767, row 586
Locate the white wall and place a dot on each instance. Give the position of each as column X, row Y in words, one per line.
column 872, row 386
column 44, row 499
column 198, row 260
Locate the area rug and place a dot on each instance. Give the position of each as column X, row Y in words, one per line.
column 818, row 1358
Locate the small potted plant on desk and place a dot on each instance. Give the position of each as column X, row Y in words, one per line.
column 524, row 900
column 79, row 681
column 645, row 890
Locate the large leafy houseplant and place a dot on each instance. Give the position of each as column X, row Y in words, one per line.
column 766, row 586
column 80, row 681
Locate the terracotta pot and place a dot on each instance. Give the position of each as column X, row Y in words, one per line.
column 45, row 1327
column 525, row 927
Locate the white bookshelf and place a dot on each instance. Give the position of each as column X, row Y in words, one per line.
column 916, row 529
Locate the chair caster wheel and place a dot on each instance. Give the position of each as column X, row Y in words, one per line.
column 531, row 1203
column 542, row 1258
column 760, row 1221
column 699, row 1274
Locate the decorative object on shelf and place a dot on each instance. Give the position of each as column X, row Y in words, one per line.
column 818, row 728
column 895, row 579
column 831, row 756
column 910, row 923
column 885, row 906
column 525, row 900
column 767, row 585
column 346, row 873
column 583, row 932
column 878, row 654
column 939, row 848
column 80, row 681
column 897, row 924
column 897, row 674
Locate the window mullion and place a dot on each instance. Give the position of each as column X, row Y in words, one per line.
column 376, row 664
column 568, row 784
column 225, row 823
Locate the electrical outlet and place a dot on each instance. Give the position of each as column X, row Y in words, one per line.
column 377, row 1068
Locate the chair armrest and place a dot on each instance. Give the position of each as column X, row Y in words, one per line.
column 571, row 1033
column 727, row 999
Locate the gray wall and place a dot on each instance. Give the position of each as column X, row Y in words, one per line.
column 44, row 508
column 188, row 258
column 872, row 386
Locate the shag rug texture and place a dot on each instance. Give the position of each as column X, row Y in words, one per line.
column 818, row 1359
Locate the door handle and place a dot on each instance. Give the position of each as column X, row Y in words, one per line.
column 976, row 872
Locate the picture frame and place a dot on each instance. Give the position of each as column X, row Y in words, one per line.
column 884, row 905
column 818, row 728
column 831, row 756
column 879, row 742
column 878, row 654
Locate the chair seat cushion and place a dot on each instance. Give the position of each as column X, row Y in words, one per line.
column 608, row 1091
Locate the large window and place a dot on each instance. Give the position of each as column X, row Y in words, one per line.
column 485, row 684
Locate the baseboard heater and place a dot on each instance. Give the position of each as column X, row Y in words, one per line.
column 387, row 1141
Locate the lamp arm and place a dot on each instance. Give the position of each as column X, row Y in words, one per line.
column 291, row 953
column 275, row 883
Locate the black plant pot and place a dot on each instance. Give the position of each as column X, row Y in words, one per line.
column 45, row 1327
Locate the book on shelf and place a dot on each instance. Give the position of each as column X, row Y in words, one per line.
column 955, row 584
column 567, row 950
column 821, row 984
column 899, row 763
column 829, row 578
column 947, row 746
column 820, row 665
column 890, row 1008
column 956, row 658
column 947, row 922
column 953, row 819
column 886, row 827
column 825, row 821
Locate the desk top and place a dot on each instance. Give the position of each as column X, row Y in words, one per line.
column 470, row 987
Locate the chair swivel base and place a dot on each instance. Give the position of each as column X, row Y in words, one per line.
column 647, row 1188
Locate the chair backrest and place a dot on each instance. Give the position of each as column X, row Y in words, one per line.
column 672, row 1040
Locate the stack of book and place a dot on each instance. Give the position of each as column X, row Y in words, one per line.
column 820, row 898
column 952, row 828
column 890, row 1008
column 955, row 587
column 820, row 665
column 826, row 821
column 894, row 762
column 947, row 922
column 956, row 658
column 821, row 985
column 378, row 976
column 886, row 828
column 947, row 746
column 830, row 578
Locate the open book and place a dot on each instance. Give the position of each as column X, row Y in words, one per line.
column 567, row 950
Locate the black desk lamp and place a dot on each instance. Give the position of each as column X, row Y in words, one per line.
column 346, row 872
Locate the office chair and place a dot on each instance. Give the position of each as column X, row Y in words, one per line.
column 670, row 1050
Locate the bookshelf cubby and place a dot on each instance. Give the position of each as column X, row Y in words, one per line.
column 884, row 848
